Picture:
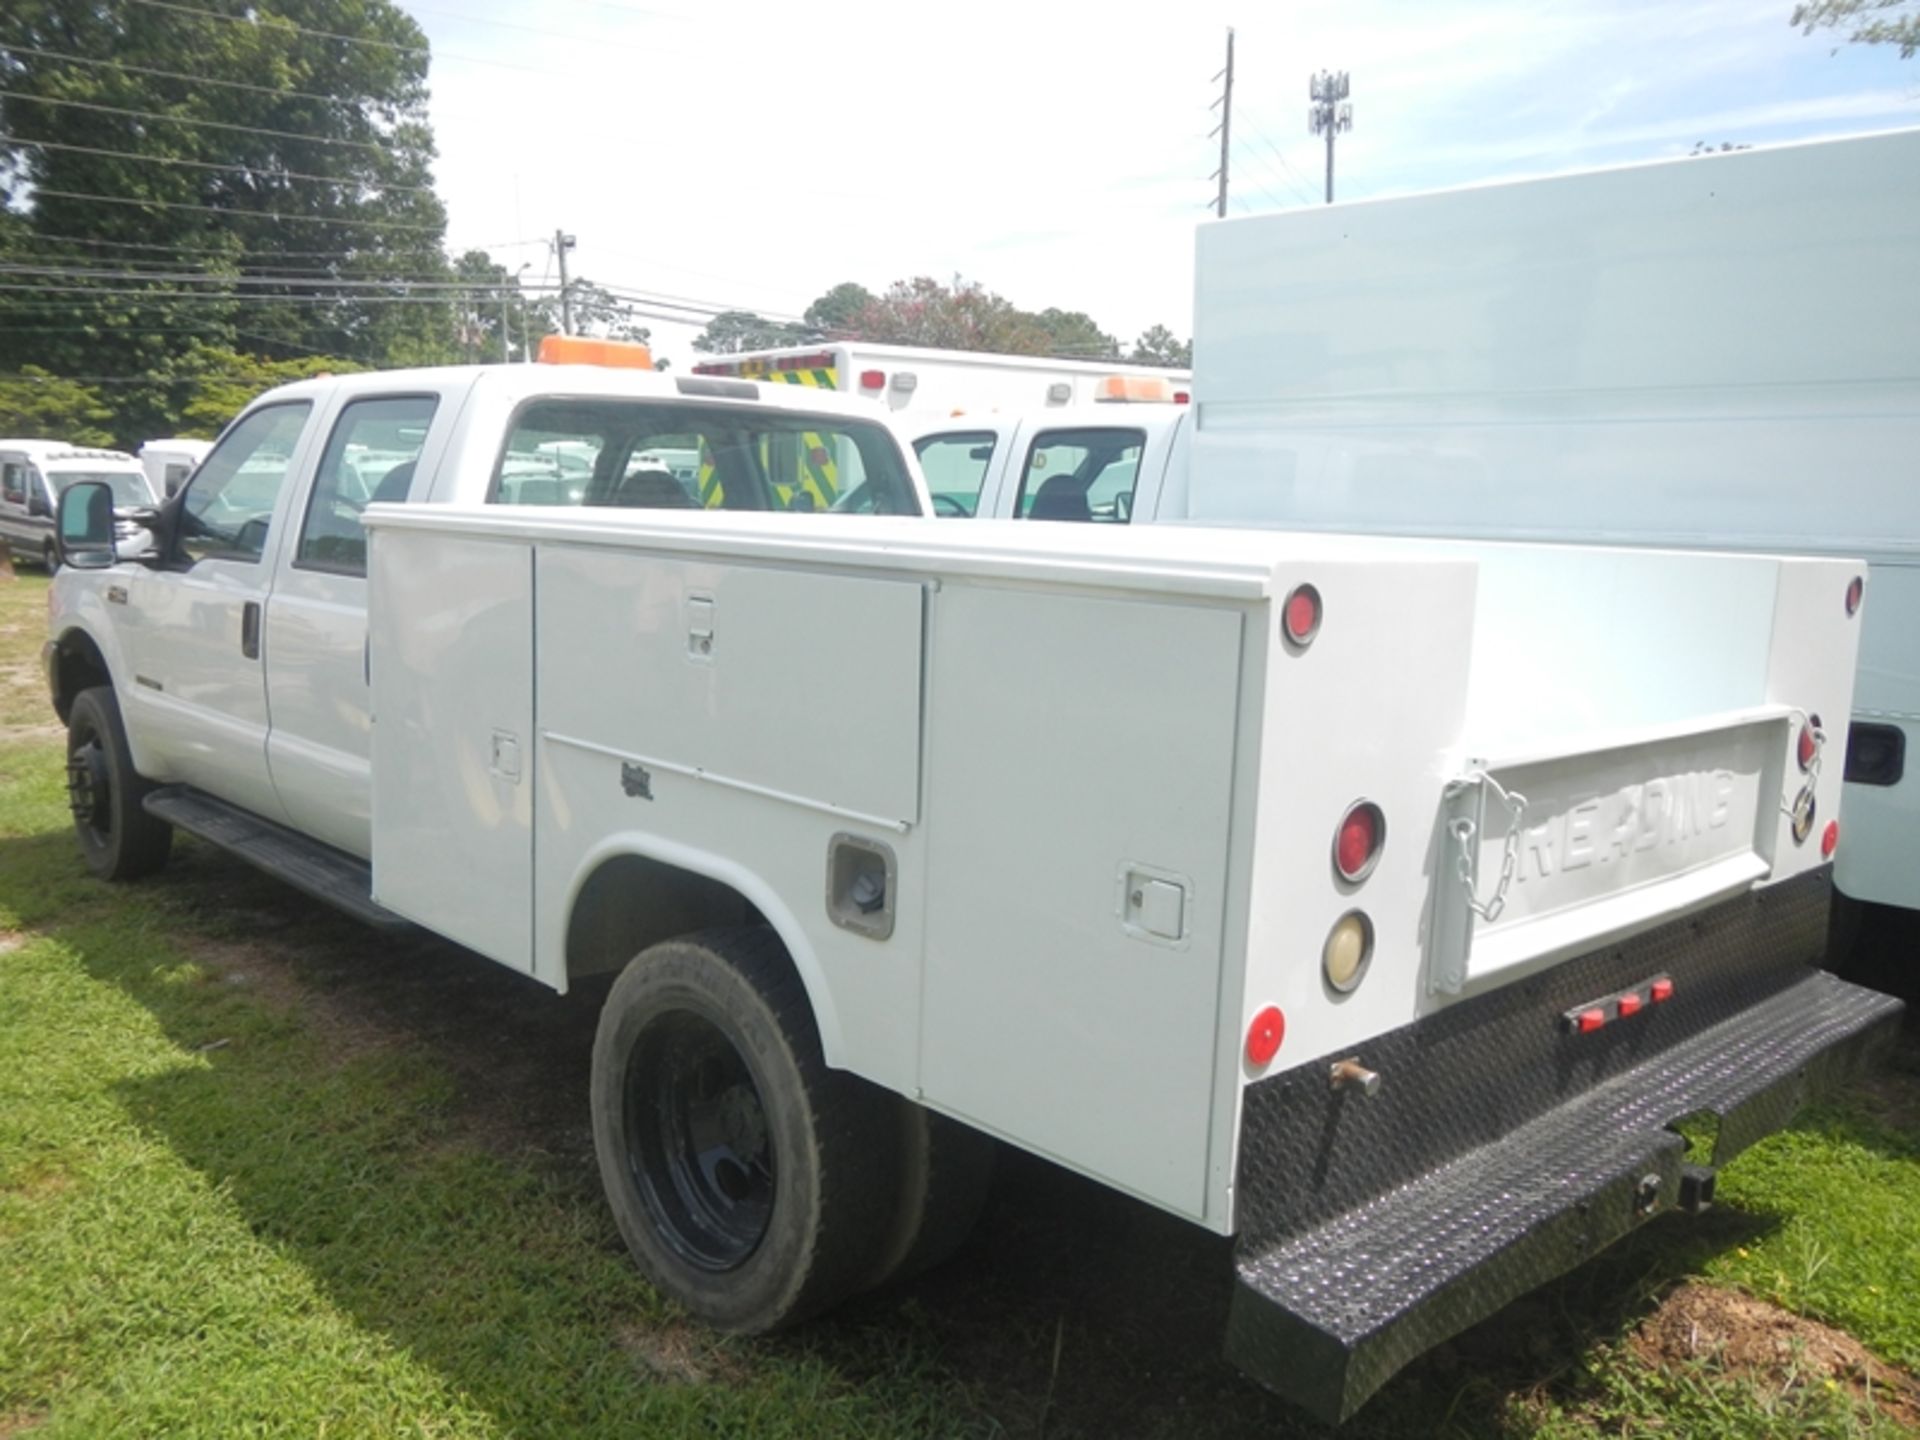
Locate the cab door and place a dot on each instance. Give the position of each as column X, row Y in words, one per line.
column 196, row 704
column 379, row 448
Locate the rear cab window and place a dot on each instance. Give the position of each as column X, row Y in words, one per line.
column 676, row 455
column 1086, row 475
column 956, row 464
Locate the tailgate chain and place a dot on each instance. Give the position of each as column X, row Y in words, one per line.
column 1466, row 831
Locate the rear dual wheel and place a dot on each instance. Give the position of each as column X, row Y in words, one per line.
column 752, row 1183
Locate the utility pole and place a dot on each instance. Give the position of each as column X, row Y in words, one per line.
column 1330, row 113
column 562, row 243
column 1224, row 129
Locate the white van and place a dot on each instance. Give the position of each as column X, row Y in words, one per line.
column 34, row 472
column 169, row 462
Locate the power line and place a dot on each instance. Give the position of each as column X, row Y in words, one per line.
column 234, row 213
column 1287, row 166
column 176, row 75
column 190, row 120
column 235, row 254
column 373, row 284
column 221, row 166
column 392, row 46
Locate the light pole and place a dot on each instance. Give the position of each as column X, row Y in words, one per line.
column 507, row 294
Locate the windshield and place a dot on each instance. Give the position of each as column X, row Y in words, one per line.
column 647, row 454
column 129, row 486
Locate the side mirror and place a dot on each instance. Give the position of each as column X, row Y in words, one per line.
column 37, row 503
column 83, row 533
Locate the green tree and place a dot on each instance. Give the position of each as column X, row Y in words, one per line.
column 1074, row 333
column 214, row 384
column 225, row 168
column 837, row 313
column 1866, row 22
column 732, row 331
column 1157, row 345
column 963, row 316
column 37, row 405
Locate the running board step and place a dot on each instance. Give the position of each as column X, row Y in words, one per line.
column 302, row 862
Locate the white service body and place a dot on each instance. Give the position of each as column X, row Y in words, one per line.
column 1108, row 786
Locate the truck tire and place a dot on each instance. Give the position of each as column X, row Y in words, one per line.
column 752, row 1183
column 120, row 840
column 944, row 1171
column 49, row 558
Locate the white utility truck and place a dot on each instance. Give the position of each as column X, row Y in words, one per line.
column 1107, row 464
column 933, row 381
column 169, row 462
column 1379, row 902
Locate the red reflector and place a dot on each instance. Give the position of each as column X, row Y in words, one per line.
column 1830, row 839
column 1301, row 617
column 873, row 379
column 1661, row 989
column 1807, row 747
column 1629, row 1004
column 1590, row 1021
column 1264, row 1035
column 1856, row 592
column 1181, row 397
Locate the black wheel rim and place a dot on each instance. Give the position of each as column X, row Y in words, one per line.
column 699, row 1148
column 90, row 787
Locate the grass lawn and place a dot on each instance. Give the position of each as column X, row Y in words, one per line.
column 264, row 1173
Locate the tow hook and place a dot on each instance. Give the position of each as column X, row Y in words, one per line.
column 1350, row 1074
column 1646, row 1196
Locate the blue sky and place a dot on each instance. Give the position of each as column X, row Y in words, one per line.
column 755, row 153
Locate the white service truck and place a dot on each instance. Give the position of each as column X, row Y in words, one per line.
column 1382, row 903
column 928, row 380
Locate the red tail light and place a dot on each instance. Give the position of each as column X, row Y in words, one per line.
column 1264, row 1035
column 1300, row 618
column 873, row 379
column 1856, row 592
column 1357, row 841
column 1182, row 397
column 1830, row 839
column 1809, row 747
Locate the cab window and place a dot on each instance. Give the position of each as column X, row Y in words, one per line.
column 956, row 467
column 229, row 503
column 1084, row 475
column 370, row 457
column 640, row 454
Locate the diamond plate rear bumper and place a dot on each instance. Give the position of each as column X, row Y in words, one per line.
column 1501, row 1152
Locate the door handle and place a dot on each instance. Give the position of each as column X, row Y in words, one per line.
column 250, row 630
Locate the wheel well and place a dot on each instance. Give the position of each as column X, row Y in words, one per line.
column 78, row 665
column 632, row 901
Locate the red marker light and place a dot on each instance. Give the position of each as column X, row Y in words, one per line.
column 1661, row 990
column 1629, row 1004
column 1809, row 747
column 1264, row 1035
column 1830, row 839
column 1590, row 1021
column 1301, row 616
column 1356, row 844
column 1856, row 592
column 873, row 379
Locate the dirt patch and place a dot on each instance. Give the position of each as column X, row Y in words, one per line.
column 19, row 1423
column 344, row 1031
column 1754, row 1340
column 677, row 1354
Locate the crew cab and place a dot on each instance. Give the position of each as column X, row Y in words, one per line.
column 1380, row 903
